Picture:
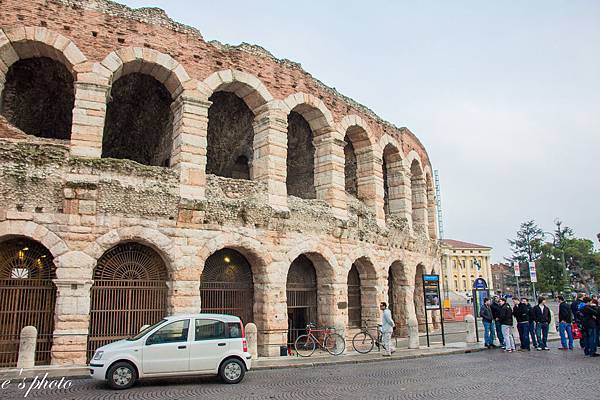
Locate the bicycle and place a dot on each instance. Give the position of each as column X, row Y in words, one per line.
column 363, row 342
column 333, row 342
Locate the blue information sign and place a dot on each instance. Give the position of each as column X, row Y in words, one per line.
column 480, row 284
column 431, row 278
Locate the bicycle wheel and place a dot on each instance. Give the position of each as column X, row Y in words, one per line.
column 334, row 343
column 305, row 346
column 363, row 342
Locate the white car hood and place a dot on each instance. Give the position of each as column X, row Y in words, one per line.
column 119, row 344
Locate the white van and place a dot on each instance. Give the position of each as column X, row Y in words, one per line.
column 216, row 345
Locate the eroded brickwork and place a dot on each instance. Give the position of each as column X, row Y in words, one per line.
column 298, row 193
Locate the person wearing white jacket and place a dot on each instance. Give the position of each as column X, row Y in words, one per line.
column 387, row 328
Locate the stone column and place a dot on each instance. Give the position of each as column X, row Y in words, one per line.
column 400, row 203
column 419, row 205
column 369, row 175
column 329, row 171
column 184, row 297
column 332, row 306
column 270, row 311
column 431, row 213
column 89, row 114
column 270, row 152
column 71, row 321
column 251, row 339
column 411, row 318
column 190, row 130
column 27, row 344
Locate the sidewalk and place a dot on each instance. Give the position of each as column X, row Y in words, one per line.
column 317, row 359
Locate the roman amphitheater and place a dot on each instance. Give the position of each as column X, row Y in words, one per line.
column 145, row 171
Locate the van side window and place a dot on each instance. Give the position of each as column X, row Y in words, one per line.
column 235, row 330
column 171, row 333
column 208, row 329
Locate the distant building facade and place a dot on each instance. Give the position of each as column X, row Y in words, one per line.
column 462, row 263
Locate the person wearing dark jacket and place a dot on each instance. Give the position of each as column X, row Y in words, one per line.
column 495, row 306
column 590, row 319
column 532, row 333
column 505, row 317
column 541, row 314
column 577, row 317
column 485, row 312
column 521, row 313
column 564, row 324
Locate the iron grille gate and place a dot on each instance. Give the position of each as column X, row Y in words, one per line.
column 129, row 292
column 226, row 285
column 354, row 300
column 28, row 298
column 301, row 291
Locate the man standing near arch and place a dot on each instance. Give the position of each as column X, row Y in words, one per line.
column 387, row 328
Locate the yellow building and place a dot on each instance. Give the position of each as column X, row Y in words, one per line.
column 462, row 263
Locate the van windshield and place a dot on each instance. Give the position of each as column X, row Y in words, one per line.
column 148, row 329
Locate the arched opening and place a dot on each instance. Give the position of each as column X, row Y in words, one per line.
column 395, row 200
column 28, row 297
column 301, row 289
column 230, row 137
column 419, row 300
column 300, row 181
column 226, row 285
column 139, row 121
column 354, row 298
column 38, row 98
column 350, row 167
column 129, row 292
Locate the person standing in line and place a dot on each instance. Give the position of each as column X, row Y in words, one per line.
column 506, row 322
column 485, row 312
column 387, row 328
column 521, row 313
column 495, row 306
column 590, row 320
column 542, row 317
column 576, row 311
column 532, row 333
column 564, row 325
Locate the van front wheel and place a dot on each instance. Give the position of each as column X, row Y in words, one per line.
column 232, row 371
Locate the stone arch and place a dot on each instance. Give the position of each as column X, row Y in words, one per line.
column 34, row 231
column 312, row 109
column 243, row 84
column 363, row 291
column 397, row 202
column 37, row 80
column 142, row 130
column 236, row 99
column 419, row 196
column 360, row 166
column 152, row 238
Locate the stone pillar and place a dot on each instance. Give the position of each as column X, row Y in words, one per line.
column 270, row 309
column 431, row 213
column 27, row 344
column 332, row 306
column 470, row 327
column 370, row 181
column 552, row 324
column 270, row 152
column 329, row 171
column 419, row 205
column 411, row 318
column 184, row 297
column 251, row 338
column 413, row 334
column 71, row 321
column 89, row 114
column 188, row 156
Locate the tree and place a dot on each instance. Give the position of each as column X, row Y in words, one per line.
column 551, row 276
column 583, row 263
column 525, row 248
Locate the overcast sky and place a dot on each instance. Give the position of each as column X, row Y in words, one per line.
column 505, row 95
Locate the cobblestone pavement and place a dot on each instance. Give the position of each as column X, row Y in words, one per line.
column 482, row 375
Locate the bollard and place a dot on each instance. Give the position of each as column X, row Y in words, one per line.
column 552, row 324
column 27, row 345
column 252, row 339
column 413, row 334
column 471, row 335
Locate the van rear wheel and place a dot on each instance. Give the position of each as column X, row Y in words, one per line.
column 121, row 375
column 232, row 371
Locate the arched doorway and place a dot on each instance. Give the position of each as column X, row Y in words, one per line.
column 27, row 297
column 301, row 291
column 354, row 298
column 129, row 291
column 226, row 285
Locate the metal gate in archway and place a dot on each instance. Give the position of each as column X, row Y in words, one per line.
column 129, row 291
column 226, row 285
column 28, row 298
column 354, row 298
column 301, row 291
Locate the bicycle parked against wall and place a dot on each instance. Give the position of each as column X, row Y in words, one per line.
column 363, row 342
column 332, row 342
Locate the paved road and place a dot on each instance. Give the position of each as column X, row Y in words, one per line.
column 483, row 375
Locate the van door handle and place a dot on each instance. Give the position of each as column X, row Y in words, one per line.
column 181, row 347
column 221, row 344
